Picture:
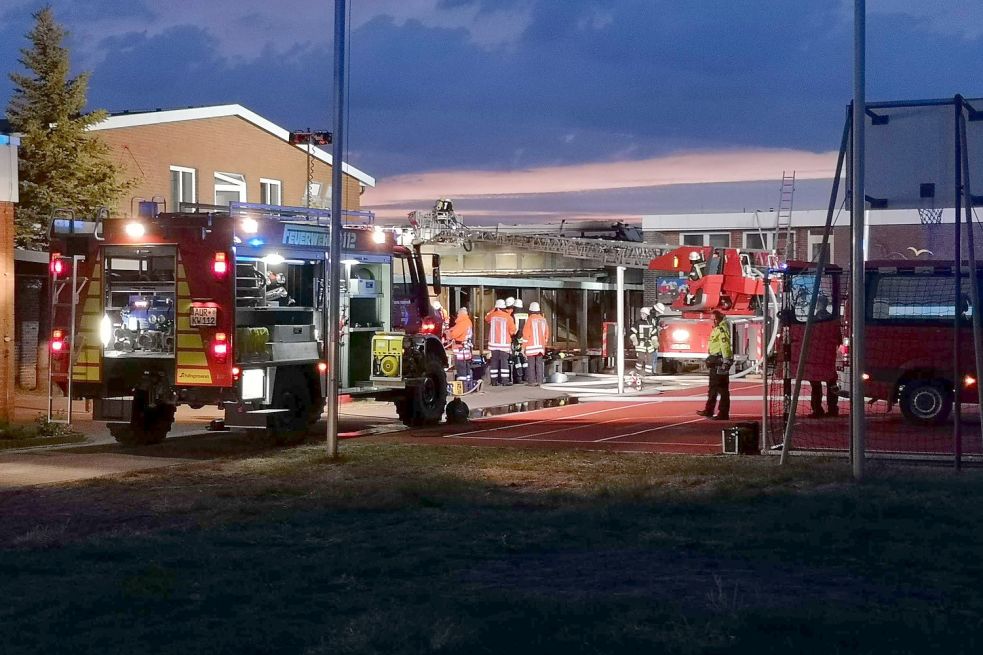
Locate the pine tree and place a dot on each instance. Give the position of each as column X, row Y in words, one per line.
column 61, row 166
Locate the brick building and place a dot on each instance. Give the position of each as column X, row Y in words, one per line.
column 214, row 155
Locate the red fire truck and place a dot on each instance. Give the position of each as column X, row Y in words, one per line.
column 908, row 359
column 727, row 279
column 222, row 306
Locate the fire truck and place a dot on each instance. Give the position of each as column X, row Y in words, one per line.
column 223, row 306
column 725, row 279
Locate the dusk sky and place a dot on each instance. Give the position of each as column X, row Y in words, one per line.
column 536, row 108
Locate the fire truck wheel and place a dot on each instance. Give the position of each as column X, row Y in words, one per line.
column 926, row 401
column 290, row 393
column 149, row 425
column 426, row 401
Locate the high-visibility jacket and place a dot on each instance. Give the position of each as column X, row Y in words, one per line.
column 501, row 329
column 536, row 333
column 720, row 342
column 462, row 337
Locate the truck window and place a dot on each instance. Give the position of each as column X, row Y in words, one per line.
column 827, row 307
column 402, row 314
column 917, row 298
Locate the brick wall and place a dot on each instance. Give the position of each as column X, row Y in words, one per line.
column 227, row 144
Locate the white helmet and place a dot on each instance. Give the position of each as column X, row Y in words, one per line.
column 499, row 304
column 435, row 304
column 534, row 306
column 510, row 302
column 659, row 308
column 644, row 311
column 462, row 310
column 518, row 303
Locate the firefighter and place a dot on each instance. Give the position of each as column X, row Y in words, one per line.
column 641, row 337
column 461, row 336
column 519, row 362
column 501, row 329
column 535, row 337
column 438, row 313
column 822, row 314
column 720, row 357
column 276, row 289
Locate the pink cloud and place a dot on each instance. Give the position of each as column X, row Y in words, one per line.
column 750, row 165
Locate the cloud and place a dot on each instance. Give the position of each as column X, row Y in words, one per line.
column 399, row 194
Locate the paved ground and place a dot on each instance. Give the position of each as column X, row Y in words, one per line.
column 664, row 423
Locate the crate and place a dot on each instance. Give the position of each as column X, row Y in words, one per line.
column 741, row 439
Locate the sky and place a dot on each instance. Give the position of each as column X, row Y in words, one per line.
column 526, row 110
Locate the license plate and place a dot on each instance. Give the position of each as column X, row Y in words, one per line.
column 204, row 316
column 680, row 346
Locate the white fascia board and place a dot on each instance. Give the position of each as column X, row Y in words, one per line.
column 812, row 218
column 220, row 111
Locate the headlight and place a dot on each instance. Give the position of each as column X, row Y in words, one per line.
column 680, row 335
column 105, row 330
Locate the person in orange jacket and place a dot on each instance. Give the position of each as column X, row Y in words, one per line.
column 535, row 339
column 501, row 329
column 461, row 336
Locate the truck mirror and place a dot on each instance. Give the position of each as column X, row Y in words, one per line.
column 435, row 265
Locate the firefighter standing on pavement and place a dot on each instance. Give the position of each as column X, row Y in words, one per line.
column 535, row 336
column 461, row 336
column 642, row 336
column 501, row 329
column 719, row 359
column 520, row 364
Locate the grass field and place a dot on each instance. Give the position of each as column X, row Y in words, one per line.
column 402, row 548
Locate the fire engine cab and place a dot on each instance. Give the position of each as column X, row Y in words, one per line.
column 725, row 279
column 224, row 306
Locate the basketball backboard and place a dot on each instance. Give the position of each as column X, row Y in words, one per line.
column 910, row 153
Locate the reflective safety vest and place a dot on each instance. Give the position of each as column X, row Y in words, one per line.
column 462, row 337
column 501, row 329
column 642, row 337
column 536, row 333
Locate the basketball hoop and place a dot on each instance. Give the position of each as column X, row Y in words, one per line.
column 930, row 216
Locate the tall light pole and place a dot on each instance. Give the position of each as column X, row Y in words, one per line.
column 331, row 297
column 858, row 204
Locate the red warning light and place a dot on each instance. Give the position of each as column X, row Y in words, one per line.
column 220, row 266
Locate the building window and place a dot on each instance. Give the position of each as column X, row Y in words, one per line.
column 229, row 187
column 183, row 188
column 758, row 240
column 715, row 239
column 815, row 244
column 269, row 191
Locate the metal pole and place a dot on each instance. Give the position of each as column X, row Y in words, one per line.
column 804, row 348
column 957, row 429
column 858, row 300
column 974, row 273
column 763, row 442
column 334, row 255
column 621, row 329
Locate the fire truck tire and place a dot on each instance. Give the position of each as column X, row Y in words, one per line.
column 292, row 394
column 426, row 401
column 148, row 425
column 928, row 402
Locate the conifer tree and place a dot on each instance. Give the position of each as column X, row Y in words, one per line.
column 61, row 166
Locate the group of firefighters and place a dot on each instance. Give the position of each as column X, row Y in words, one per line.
column 517, row 341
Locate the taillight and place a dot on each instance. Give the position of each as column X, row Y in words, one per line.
column 322, row 367
column 58, row 345
column 57, row 266
column 428, row 326
column 219, row 265
column 236, row 372
column 220, row 346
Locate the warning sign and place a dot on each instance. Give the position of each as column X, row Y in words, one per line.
column 204, row 316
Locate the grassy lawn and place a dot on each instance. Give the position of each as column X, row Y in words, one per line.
column 402, row 548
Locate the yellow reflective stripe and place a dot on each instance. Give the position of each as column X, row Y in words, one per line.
column 189, row 342
column 191, row 358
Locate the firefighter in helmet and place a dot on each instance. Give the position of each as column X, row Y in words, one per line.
column 644, row 337
column 461, row 336
column 520, row 363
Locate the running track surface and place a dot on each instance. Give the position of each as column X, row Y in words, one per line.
column 666, row 423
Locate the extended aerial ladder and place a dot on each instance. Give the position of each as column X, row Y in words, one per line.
column 443, row 225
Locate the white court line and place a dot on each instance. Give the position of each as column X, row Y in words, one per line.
column 661, row 399
column 661, row 427
column 613, row 420
column 572, row 441
column 562, row 418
